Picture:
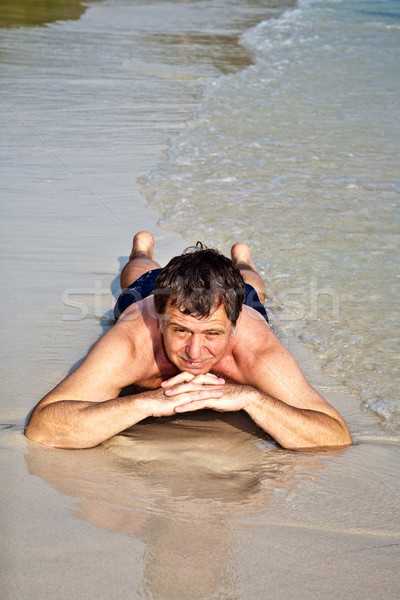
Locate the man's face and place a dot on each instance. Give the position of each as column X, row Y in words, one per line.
column 196, row 345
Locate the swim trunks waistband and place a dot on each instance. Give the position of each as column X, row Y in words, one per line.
column 144, row 287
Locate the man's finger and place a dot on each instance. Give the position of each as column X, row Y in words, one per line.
column 192, row 387
column 177, row 379
column 197, row 395
column 194, row 405
column 208, row 378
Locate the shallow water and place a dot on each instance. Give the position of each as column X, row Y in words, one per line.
column 297, row 155
column 86, row 108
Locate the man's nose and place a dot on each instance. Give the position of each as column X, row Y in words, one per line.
column 194, row 346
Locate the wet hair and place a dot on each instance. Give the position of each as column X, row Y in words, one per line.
column 197, row 281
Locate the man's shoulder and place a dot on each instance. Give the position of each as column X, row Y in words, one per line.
column 250, row 344
column 253, row 327
column 255, row 340
column 137, row 327
column 129, row 348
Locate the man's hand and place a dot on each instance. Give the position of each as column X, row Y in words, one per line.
column 184, row 377
column 197, row 392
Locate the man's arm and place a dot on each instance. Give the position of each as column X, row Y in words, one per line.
column 288, row 407
column 84, row 409
column 292, row 427
column 296, row 428
column 82, row 424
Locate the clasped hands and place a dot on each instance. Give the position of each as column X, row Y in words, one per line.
column 196, row 392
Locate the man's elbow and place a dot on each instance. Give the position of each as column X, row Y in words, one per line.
column 336, row 438
column 40, row 428
column 41, row 435
column 341, row 434
column 54, row 441
column 35, row 434
column 54, row 437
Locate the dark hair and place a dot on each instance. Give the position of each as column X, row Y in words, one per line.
column 199, row 279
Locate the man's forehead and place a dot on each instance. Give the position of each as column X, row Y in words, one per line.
column 217, row 315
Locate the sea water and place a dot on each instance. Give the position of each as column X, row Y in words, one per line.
column 298, row 155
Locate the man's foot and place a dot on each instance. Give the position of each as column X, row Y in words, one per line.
column 143, row 246
column 140, row 260
column 241, row 255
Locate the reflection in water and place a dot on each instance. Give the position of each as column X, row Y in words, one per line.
column 181, row 486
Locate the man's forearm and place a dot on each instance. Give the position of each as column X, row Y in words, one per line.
column 292, row 427
column 296, row 428
column 81, row 424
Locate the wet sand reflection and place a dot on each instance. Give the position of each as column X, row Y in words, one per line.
column 180, row 486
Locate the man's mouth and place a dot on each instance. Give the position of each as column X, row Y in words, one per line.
column 194, row 364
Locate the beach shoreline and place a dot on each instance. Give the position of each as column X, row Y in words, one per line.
column 192, row 508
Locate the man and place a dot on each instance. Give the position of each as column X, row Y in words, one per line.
column 189, row 342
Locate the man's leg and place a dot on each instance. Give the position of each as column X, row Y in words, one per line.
column 241, row 257
column 141, row 259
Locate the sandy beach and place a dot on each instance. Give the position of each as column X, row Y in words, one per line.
column 198, row 507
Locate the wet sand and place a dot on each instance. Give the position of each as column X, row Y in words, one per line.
column 203, row 506
column 22, row 13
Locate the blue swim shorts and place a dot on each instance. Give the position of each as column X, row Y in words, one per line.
column 144, row 287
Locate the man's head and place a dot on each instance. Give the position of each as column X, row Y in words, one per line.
column 199, row 281
column 198, row 296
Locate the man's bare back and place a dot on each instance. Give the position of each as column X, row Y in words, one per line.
column 186, row 362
